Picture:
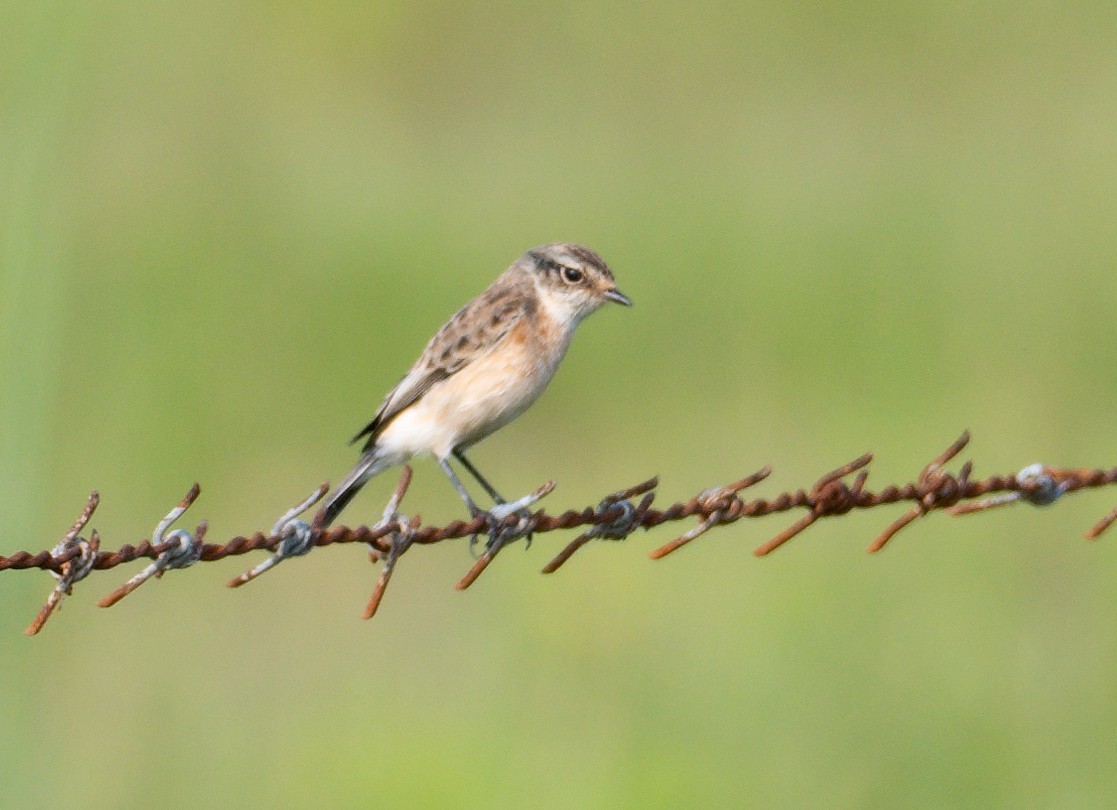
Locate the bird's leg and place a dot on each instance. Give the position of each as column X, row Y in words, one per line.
column 524, row 513
column 459, row 454
column 474, row 510
column 495, row 517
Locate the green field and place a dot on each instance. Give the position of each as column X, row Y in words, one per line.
column 226, row 229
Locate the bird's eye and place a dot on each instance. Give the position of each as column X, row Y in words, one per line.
column 571, row 276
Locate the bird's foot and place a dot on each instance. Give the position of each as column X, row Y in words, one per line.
column 501, row 530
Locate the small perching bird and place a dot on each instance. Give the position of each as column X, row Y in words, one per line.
column 483, row 368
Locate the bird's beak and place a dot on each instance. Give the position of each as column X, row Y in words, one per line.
column 613, row 294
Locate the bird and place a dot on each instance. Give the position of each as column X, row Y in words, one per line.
column 482, row 369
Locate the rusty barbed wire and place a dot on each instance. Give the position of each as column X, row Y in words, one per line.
column 615, row 518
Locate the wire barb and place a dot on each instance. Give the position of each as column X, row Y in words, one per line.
column 71, row 569
column 1096, row 531
column 179, row 549
column 936, row 490
column 296, row 538
column 628, row 519
column 503, row 531
column 400, row 538
column 1037, row 486
column 829, row 496
column 718, row 504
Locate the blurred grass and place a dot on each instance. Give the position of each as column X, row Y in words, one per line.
column 226, row 230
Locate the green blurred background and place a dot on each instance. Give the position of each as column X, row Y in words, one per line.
column 227, row 228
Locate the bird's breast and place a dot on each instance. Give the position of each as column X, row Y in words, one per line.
column 482, row 397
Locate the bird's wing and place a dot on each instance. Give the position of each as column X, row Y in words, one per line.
column 473, row 332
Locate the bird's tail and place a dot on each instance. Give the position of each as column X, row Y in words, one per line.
column 368, row 466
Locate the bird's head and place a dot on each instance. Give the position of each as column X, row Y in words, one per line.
column 572, row 280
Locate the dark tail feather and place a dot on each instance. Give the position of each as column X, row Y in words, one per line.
column 346, row 490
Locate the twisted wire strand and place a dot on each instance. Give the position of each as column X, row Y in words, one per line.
column 614, row 518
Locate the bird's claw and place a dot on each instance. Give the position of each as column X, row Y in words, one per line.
column 500, row 531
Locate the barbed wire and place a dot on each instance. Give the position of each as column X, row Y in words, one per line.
column 615, row 518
